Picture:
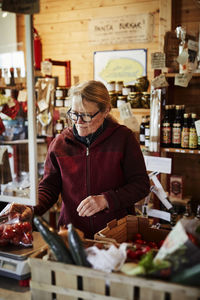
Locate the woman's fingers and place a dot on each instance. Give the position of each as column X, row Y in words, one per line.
column 92, row 205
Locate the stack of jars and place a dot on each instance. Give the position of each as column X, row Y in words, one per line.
column 136, row 94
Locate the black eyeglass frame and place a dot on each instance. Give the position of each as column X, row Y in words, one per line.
column 81, row 116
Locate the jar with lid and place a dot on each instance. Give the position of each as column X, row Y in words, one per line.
column 59, row 92
column 118, row 87
column 113, row 99
column 59, row 125
column 59, row 102
column 121, row 100
column 141, row 84
column 145, row 100
column 134, row 98
column 67, row 102
column 126, row 89
column 111, row 86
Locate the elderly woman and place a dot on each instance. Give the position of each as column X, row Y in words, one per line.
column 96, row 165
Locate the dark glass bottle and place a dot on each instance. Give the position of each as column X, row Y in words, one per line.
column 166, row 128
column 176, row 128
column 142, row 130
column 147, row 132
column 193, row 133
column 185, row 132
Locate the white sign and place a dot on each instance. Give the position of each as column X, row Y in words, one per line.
column 158, row 164
column 122, row 29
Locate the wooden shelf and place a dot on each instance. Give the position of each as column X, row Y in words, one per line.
column 13, row 87
column 174, row 74
column 179, row 150
column 25, row 141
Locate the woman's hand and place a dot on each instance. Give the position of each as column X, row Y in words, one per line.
column 91, row 205
column 25, row 212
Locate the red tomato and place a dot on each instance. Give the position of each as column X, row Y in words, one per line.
column 137, row 236
column 131, row 254
column 146, row 249
column 153, row 245
column 139, row 241
column 26, row 226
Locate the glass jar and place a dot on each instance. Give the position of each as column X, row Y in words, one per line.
column 134, row 98
column 59, row 92
column 126, row 89
column 121, row 100
column 113, row 99
column 141, row 84
column 118, row 87
column 111, row 86
column 59, row 102
column 145, row 100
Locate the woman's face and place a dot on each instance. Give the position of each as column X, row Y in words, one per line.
column 80, row 106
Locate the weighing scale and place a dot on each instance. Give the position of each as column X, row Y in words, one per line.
column 14, row 259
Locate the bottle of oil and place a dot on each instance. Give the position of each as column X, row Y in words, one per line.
column 193, row 139
column 185, row 132
column 142, row 130
column 166, row 129
column 147, row 132
column 176, row 128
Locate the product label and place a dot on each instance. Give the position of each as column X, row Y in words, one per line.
column 166, row 135
column 185, row 138
column 193, row 138
column 142, row 138
column 176, row 135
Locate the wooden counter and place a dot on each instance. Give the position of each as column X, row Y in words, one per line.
column 11, row 290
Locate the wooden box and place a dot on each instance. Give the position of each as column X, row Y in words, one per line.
column 54, row 280
column 123, row 230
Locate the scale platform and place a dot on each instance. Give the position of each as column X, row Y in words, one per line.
column 14, row 259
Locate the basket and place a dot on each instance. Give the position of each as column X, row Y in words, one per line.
column 54, row 280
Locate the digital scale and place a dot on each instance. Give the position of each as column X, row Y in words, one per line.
column 14, row 259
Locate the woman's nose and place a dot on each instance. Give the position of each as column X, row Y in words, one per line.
column 79, row 119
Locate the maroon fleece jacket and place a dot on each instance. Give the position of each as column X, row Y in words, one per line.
column 113, row 165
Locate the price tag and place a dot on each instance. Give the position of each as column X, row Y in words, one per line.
column 46, row 68
column 22, row 96
column 159, row 81
column 182, row 79
column 125, row 111
column 158, row 60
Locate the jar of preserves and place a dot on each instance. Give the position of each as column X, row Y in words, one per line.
column 59, row 102
column 111, row 86
column 118, row 87
column 121, row 100
column 142, row 84
column 113, row 99
column 145, row 100
column 59, row 92
column 126, row 89
column 134, row 98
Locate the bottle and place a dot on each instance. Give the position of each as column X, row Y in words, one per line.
column 166, row 128
column 176, row 129
column 193, row 133
column 142, row 130
column 147, row 132
column 185, row 132
column 188, row 212
column 198, row 213
column 182, row 109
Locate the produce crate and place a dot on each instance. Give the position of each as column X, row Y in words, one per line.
column 54, row 280
column 123, row 230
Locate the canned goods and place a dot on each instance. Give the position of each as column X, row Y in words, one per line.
column 145, row 100
column 126, row 89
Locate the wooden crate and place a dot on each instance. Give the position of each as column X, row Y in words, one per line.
column 54, row 280
column 123, row 230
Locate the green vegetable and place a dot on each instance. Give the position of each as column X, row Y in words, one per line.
column 190, row 276
column 132, row 269
column 54, row 241
column 76, row 248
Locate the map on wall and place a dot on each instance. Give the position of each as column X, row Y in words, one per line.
column 120, row 65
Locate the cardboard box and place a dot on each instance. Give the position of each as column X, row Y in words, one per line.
column 123, row 230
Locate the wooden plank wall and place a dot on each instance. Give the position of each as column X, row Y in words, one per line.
column 63, row 27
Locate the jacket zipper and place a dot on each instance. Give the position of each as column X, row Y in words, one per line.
column 88, row 183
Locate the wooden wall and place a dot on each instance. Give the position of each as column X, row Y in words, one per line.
column 63, row 27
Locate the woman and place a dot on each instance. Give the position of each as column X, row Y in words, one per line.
column 96, row 165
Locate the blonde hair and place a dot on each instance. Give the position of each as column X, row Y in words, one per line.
column 92, row 91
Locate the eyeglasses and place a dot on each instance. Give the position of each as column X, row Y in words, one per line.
column 84, row 117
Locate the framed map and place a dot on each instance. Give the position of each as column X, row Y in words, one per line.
column 120, row 65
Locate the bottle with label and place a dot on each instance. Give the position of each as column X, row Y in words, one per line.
column 147, row 132
column 142, row 130
column 193, row 139
column 166, row 128
column 185, row 132
column 176, row 129
column 198, row 212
